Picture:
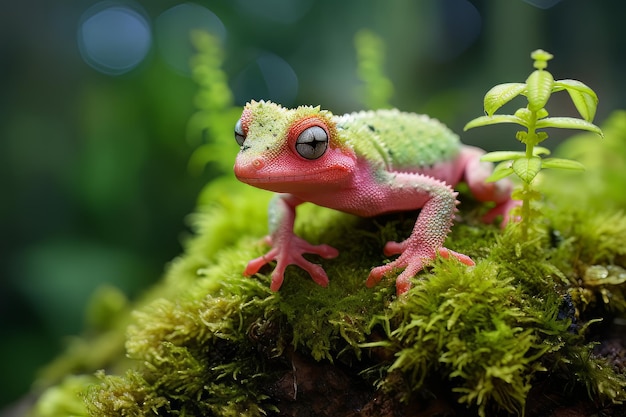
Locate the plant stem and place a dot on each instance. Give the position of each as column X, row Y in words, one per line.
column 525, row 212
column 530, row 146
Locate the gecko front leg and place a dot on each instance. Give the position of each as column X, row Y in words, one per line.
column 429, row 233
column 287, row 248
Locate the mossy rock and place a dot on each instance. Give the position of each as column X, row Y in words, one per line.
column 500, row 338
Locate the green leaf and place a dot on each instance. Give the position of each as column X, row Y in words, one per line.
column 527, row 168
column 498, row 156
column 541, row 58
column 568, row 123
column 583, row 97
column 500, row 95
column 525, row 115
column 501, row 171
column 538, row 89
column 541, row 113
column 492, row 120
column 540, row 150
column 558, row 163
column 541, row 136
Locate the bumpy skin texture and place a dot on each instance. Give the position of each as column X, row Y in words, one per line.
column 366, row 163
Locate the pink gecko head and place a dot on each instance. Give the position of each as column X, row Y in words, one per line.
column 284, row 150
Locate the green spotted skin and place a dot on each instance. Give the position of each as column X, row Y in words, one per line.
column 398, row 141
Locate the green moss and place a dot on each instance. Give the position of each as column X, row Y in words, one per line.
column 595, row 374
column 193, row 353
column 214, row 345
column 66, row 398
column 474, row 328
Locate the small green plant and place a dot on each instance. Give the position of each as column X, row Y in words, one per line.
column 210, row 128
column 377, row 88
column 534, row 117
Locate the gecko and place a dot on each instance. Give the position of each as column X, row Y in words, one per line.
column 365, row 163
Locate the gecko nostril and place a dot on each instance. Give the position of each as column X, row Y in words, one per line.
column 258, row 163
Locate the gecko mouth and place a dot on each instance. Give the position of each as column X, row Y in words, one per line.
column 258, row 174
column 274, row 178
column 303, row 181
column 282, row 183
column 270, row 174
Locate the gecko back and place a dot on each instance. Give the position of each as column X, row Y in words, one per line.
column 399, row 141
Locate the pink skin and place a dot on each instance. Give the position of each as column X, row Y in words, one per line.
column 340, row 180
column 288, row 248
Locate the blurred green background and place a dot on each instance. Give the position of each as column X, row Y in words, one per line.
column 96, row 96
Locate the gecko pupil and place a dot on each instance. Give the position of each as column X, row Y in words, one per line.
column 312, row 142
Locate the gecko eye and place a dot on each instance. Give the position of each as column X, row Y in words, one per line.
column 240, row 136
column 312, row 142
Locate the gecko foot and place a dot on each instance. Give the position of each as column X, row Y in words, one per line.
column 290, row 253
column 412, row 261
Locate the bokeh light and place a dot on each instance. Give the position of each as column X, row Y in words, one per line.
column 113, row 38
column 173, row 28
